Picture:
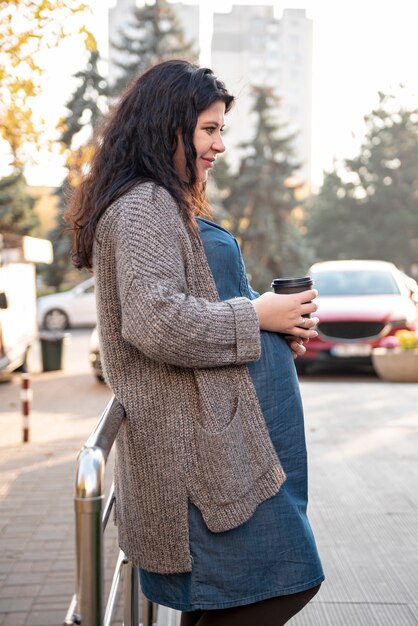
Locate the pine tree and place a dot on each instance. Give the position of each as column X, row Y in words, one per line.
column 87, row 103
column 152, row 34
column 261, row 199
column 86, row 107
column 16, row 206
column 368, row 207
column 335, row 220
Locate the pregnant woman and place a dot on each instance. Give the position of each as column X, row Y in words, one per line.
column 210, row 472
column 273, row 555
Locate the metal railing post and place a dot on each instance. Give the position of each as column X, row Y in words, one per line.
column 89, row 496
column 130, row 595
column 91, row 517
column 149, row 612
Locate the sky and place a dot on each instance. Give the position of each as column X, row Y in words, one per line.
column 359, row 48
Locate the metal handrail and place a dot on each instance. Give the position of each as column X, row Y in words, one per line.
column 87, row 605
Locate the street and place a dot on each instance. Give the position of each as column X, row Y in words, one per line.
column 362, row 439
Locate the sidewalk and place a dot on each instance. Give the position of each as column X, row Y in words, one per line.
column 36, row 507
column 363, row 440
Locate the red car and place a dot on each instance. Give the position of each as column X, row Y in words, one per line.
column 360, row 304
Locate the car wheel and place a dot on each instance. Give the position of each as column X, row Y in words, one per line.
column 55, row 319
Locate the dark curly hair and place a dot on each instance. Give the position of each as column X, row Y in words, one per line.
column 137, row 142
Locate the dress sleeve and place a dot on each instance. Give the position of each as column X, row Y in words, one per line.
column 159, row 317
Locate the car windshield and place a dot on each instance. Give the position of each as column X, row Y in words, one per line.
column 355, row 283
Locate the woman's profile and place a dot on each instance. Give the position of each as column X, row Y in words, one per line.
column 210, row 473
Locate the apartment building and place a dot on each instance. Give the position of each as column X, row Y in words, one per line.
column 251, row 47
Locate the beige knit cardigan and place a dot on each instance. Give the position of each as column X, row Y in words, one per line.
column 175, row 356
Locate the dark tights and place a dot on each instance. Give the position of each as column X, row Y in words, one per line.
column 272, row 612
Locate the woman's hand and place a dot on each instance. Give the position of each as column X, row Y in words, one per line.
column 296, row 345
column 283, row 313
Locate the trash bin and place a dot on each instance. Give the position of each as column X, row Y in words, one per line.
column 52, row 350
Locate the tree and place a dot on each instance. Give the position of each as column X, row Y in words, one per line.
column 261, row 199
column 85, row 110
column 152, row 35
column 335, row 220
column 16, row 206
column 87, row 104
column 368, row 207
column 28, row 30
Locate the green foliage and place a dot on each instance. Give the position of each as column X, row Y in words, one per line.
column 16, row 206
column 87, row 103
column 153, row 34
column 85, row 110
column 56, row 273
column 368, row 208
column 261, row 199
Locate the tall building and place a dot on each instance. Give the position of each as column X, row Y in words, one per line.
column 251, row 47
column 120, row 15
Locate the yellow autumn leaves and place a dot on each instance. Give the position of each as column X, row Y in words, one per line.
column 29, row 31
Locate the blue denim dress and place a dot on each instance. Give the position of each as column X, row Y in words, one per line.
column 274, row 552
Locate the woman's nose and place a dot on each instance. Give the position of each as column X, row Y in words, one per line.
column 218, row 145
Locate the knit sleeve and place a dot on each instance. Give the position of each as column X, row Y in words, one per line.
column 159, row 317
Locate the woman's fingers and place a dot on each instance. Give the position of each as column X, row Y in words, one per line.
column 296, row 346
column 306, row 296
column 305, row 328
column 308, row 323
column 297, row 331
column 308, row 308
column 306, row 299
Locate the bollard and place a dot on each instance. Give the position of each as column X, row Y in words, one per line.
column 26, row 399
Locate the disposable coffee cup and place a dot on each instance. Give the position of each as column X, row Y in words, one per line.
column 292, row 285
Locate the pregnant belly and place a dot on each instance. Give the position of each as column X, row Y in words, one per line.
column 277, row 385
column 276, row 362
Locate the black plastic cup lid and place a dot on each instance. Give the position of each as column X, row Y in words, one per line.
column 298, row 281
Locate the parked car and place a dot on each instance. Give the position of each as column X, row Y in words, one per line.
column 76, row 307
column 94, row 356
column 360, row 304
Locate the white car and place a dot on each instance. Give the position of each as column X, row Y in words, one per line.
column 76, row 307
column 94, row 356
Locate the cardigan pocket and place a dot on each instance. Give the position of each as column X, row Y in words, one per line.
column 228, row 461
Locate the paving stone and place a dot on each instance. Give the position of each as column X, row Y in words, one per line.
column 11, row 605
column 62, row 565
column 44, row 618
column 23, row 566
column 19, row 591
column 14, row 619
column 50, row 589
column 23, row 578
column 51, row 603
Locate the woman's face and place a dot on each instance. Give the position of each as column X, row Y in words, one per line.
column 207, row 141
